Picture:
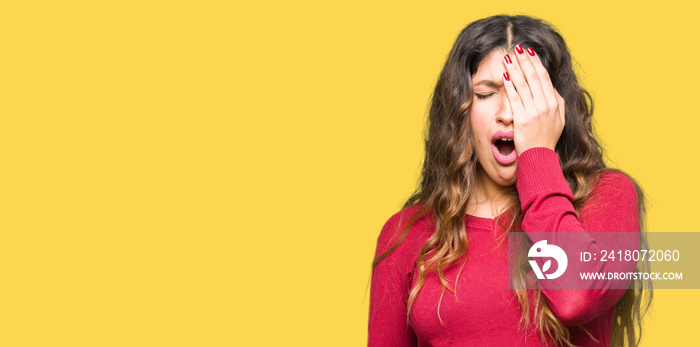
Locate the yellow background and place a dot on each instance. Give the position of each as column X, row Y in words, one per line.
column 199, row 173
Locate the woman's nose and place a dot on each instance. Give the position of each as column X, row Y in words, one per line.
column 505, row 114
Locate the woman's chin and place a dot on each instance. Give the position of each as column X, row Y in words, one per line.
column 502, row 175
column 506, row 181
column 506, row 176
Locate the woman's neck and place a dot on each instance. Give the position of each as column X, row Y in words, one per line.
column 489, row 198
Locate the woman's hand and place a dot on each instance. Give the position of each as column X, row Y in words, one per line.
column 538, row 109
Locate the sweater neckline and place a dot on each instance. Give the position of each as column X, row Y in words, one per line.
column 480, row 222
column 485, row 222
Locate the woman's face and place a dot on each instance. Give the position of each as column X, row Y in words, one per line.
column 492, row 122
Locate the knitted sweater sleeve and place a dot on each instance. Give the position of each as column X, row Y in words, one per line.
column 547, row 206
column 391, row 281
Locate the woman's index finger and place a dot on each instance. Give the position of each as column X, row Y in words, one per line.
column 545, row 80
column 531, row 74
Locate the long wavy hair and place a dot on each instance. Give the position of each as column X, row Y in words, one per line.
column 448, row 177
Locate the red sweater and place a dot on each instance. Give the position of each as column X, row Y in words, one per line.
column 486, row 312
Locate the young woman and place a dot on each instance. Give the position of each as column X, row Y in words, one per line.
column 510, row 148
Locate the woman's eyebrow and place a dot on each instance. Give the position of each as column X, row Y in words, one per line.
column 488, row 83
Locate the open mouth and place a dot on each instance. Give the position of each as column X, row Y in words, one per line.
column 505, row 146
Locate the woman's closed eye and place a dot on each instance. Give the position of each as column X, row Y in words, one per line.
column 483, row 96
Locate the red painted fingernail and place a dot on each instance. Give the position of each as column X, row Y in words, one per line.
column 519, row 49
column 530, row 52
column 507, row 58
column 505, row 75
